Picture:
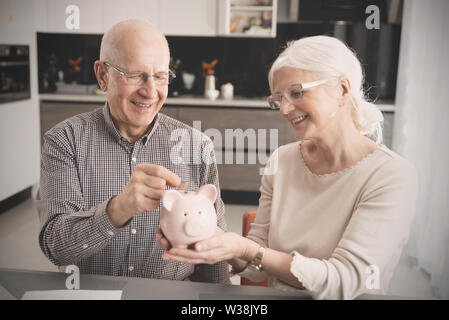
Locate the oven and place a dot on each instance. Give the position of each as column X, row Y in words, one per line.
column 14, row 73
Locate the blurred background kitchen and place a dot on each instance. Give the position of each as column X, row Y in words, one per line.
column 221, row 53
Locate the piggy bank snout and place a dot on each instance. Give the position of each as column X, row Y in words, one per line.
column 195, row 228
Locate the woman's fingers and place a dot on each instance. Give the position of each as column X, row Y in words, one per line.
column 182, row 259
column 160, row 238
column 229, row 241
column 192, row 257
column 223, row 246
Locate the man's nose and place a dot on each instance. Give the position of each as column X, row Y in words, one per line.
column 148, row 88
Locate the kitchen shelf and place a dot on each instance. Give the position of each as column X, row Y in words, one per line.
column 251, row 8
column 249, row 19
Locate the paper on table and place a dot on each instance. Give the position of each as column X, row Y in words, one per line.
column 5, row 295
column 73, row 295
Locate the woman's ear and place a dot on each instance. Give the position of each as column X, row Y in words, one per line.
column 345, row 85
column 101, row 75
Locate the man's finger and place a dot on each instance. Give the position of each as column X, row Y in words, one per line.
column 159, row 171
column 154, row 182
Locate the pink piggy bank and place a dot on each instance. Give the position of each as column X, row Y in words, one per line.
column 188, row 216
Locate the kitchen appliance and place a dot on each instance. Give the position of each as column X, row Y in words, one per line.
column 14, row 73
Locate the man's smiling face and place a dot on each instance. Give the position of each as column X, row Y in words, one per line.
column 133, row 107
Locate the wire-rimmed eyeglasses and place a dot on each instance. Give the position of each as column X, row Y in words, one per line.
column 295, row 91
column 139, row 78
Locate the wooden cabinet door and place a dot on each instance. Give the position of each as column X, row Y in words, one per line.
column 118, row 10
column 188, row 18
column 53, row 113
column 240, row 176
column 226, row 121
column 90, row 16
column 170, row 111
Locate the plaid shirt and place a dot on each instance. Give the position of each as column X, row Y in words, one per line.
column 85, row 162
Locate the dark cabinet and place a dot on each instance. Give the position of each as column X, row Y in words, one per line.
column 53, row 112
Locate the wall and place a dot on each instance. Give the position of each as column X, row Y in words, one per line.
column 421, row 131
column 19, row 121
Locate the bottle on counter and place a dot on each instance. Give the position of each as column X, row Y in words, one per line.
column 227, row 91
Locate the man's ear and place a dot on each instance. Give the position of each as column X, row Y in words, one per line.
column 101, row 75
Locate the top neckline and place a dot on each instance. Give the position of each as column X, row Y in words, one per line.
column 338, row 172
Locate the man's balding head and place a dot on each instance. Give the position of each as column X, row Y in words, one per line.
column 122, row 38
column 137, row 47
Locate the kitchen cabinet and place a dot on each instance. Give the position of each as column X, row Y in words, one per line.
column 239, row 164
column 53, row 112
column 172, row 17
column 98, row 16
column 172, row 112
column 188, row 18
column 249, row 120
column 90, row 16
column 239, row 167
column 118, row 10
column 247, row 18
column 240, row 177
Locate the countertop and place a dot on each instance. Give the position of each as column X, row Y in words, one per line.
column 184, row 100
column 14, row 283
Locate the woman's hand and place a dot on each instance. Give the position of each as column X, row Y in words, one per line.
column 222, row 246
column 162, row 240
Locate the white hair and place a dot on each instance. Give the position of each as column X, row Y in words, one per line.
column 330, row 57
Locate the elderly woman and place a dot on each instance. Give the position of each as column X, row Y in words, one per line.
column 335, row 213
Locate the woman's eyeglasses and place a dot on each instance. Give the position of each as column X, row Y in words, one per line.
column 139, row 78
column 294, row 92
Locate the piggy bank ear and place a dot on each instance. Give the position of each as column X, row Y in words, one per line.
column 169, row 198
column 209, row 191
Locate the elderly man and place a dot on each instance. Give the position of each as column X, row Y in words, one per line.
column 103, row 173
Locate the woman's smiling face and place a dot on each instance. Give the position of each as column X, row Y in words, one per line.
column 311, row 113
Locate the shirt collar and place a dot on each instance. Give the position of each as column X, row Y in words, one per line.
column 116, row 133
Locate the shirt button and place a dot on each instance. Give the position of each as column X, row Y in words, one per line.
column 134, row 159
column 130, row 268
column 85, row 246
column 110, row 233
column 133, row 231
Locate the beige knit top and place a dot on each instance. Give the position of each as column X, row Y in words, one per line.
column 346, row 230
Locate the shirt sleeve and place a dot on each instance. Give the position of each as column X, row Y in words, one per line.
column 376, row 233
column 218, row 272
column 69, row 232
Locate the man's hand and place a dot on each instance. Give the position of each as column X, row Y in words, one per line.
column 143, row 192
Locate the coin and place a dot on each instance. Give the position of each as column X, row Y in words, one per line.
column 182, row 185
